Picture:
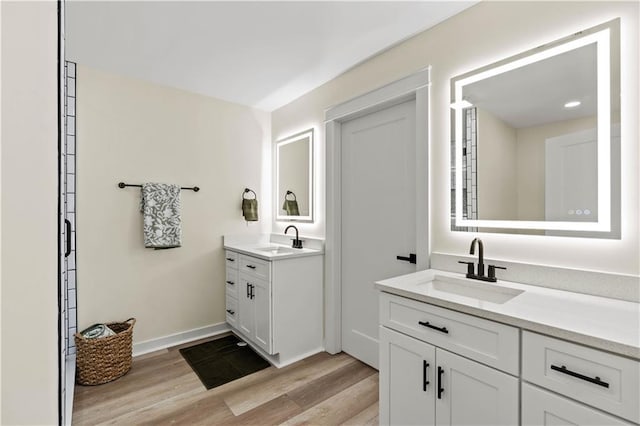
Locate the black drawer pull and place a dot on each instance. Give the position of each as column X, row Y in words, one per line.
column 425, row 382
column 251, row 266
column 252, row 295
column 230, row 311
column 230, row 283
column 440, row 388
column 230, row 259
column 440, row 329
column 595, row 381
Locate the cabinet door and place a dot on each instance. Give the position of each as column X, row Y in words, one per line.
column 246, row 312
column 262, row 304
column 542, row 408
column 469, row 393
column 407, row 385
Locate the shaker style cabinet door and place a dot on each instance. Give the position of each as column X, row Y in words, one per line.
column 246, row 314
column 542, row 408
column 407, row 385
column 262, row 304
column 469, row 393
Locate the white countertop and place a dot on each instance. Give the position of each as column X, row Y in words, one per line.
column 271, row 247
column 609, row 324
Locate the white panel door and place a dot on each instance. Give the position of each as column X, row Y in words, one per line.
column 571, row 177
column 469, row 393
column 407, row 382
column 378, row 156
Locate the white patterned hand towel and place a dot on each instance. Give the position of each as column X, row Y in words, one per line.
column 160, row 206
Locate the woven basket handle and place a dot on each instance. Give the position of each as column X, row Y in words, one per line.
column 131, row 319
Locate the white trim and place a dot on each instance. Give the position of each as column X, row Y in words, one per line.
column 164, row 342
column 415, row 86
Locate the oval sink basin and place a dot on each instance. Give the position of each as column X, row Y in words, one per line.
column 473, row 289
column 276, row 249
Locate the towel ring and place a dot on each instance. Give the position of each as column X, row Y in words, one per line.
column 249, row 190
column 290, row 193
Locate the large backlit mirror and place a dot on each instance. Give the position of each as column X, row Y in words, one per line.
column 536, row 140
column 294, row 178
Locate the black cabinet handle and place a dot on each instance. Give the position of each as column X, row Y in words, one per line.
column 251, row 295
column 425, row 382
column 594, row 380
column 251, row 266
column 440, row 329
column 440, row 388
column 230, row 311
column 248, row 287
column 411, row 258
column 67, row 233
column 230, row 283
column 230, row 259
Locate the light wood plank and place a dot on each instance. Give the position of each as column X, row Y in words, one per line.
column 367, row 417
column 342, row 406
column 161, row 389
column 247, row 399
column 324, row 387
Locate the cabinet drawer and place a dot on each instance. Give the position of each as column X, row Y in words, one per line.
column 606, row 381
column 254, row 267
column 231, row 282
column 232, row 310
column 231, row 257
column 543, row 408
column 488, row 342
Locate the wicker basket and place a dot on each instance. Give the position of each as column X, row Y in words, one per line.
column 104, row 359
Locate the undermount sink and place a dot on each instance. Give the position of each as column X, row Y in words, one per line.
column 473, row 289
column 276, row 249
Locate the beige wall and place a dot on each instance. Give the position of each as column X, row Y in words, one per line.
column 459, row 45
column 29, row 214
column 134, row 131
column 496, row 168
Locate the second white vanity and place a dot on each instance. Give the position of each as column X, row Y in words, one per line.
column 459, row 351
column 274, row 296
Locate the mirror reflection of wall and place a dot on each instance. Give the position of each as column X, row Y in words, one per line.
column 529, row 128
column 294, row 166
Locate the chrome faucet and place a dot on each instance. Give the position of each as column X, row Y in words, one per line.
column 479, row 274
column 297, row 243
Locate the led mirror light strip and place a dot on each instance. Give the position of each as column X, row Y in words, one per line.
column 601, row 39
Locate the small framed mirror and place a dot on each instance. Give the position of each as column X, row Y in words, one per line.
column 536, row 140
column 294, row 178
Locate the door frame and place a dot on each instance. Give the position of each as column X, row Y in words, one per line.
column 413, row 87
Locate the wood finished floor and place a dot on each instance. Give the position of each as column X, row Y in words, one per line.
column 161, row 389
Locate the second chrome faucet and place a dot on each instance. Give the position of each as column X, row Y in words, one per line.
column 479, row 273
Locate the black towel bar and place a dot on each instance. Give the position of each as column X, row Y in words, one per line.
column 123, row 185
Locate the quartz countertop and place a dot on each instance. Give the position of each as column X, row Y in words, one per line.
column 271, row 251
column 608, row 324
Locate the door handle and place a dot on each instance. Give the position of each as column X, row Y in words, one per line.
column 248, row 287
column 411, row 259
column 251, row 295
column 425, row 382
column 67, row 233
column 440, row 388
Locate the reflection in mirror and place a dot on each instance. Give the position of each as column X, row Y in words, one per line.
column 536, row 147
column 294, row 178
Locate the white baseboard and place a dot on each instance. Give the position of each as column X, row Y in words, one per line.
column 164, row 342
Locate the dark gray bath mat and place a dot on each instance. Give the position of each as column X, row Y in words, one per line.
column 221, row 361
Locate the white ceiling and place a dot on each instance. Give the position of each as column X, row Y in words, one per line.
column 535, row 94
column 260, row 53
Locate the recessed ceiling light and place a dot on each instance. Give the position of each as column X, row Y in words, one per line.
column 572, row 104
